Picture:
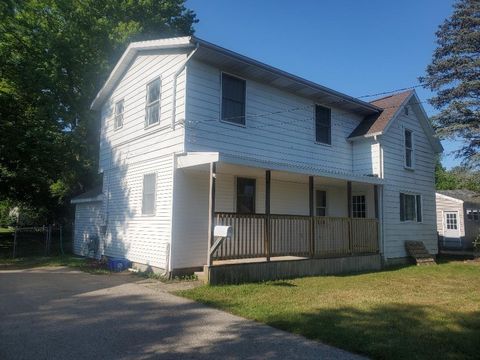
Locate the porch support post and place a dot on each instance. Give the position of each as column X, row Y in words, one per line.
column 312, row 214
column 268, row 176
column 349, row 210
column 377, row 214
column 211, row 210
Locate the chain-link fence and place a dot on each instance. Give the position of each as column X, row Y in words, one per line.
column 36, row 241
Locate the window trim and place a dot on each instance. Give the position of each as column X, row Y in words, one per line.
column 235, row 205
column 115, row 115
column 315, row 126
column 244, row 125
column 364, row 194
column 412, row 149
column 159, row 101
column 154, row 212
column 415, row 195
column 326, row 201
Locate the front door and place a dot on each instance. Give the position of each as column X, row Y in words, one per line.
column 450, row 225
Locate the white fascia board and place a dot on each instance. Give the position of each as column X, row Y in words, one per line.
column 129, row 55
column 298, row 169
column 98, row 198
column 449, row 198
column 196, row 158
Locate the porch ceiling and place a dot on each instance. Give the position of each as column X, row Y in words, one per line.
column 200, row 161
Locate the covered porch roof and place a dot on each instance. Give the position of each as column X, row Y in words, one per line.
column 201, row 160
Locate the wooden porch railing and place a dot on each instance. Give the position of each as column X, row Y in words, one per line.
column 259, row 235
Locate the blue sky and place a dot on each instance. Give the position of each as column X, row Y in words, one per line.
column 355, row 46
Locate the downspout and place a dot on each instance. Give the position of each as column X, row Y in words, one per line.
column 175, row 76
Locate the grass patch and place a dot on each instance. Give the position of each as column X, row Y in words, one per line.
column 88, row 265
column 402, row 313
column 4, row 230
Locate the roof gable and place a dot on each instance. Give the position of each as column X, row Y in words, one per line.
column 392, row 106
column 461, row 194
column 237, row 63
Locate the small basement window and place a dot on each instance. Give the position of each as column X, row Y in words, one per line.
column 233, row 99
column 152, row 111
column 323, row 125
column 410, row 207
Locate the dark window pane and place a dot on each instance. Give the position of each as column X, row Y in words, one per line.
column 233, row 99
column 419, row 208
column 408, row 139
column 323, row 124
column 402, row 207
column 153, row 91
column 408, row 157
column 246, row 196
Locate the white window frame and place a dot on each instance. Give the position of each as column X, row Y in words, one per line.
column 326, row 202
column 416, row 207
column 412, row 149
column 149, row 105
column 118, row 115
column 244, row 125
column 154, row 195
column 366, row 205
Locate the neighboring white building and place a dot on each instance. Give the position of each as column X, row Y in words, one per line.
column 299, row 170
column 458, row 219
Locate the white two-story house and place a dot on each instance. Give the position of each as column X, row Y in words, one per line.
column 310, row 180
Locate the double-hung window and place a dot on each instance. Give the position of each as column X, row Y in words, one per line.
column 321, row 203
column 246, row 189
column 359, row 206
column 408, row 146
column 410, row 207
column 148, row 194
column 152, row 110
column 323, row 125
column 233, row 99
column 118, row 120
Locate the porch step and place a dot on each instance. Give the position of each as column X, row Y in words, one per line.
column 419, row 252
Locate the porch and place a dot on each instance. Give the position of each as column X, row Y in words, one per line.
column 285, row 223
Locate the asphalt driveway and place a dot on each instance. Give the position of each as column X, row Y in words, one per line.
column 59, row 313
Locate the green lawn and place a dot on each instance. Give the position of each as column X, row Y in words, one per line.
column 404, row 313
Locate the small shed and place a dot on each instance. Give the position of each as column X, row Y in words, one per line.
column 458, row 219
column 88, row 222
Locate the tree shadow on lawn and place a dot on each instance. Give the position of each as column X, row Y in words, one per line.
column 394, row 331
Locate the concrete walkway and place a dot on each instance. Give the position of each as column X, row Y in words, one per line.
column 58, row 313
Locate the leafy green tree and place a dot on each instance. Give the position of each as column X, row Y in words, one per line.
column 445, row 180
column 454, row 75
column 54, row 56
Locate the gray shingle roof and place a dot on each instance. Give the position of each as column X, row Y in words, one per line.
column 462, row 194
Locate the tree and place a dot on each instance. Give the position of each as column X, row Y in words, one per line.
column 454, row 74
column 459, row 177
column 54, row 56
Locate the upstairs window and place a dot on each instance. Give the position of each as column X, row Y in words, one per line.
column 408, row 138
column 323, row 125
column 410, row 207
column 246, row 196
column 118, row 122
column 148, row 195
column 321, row 203
column 359, row 206
column 153, row 103
column 233, row 99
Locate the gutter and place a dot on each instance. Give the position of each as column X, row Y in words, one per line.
column 175, row 76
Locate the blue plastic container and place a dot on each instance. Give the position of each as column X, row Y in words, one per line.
column 118, row 265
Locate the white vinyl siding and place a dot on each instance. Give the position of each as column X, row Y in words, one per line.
column 271, row 133
column 88, row 222
column 398, row 180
